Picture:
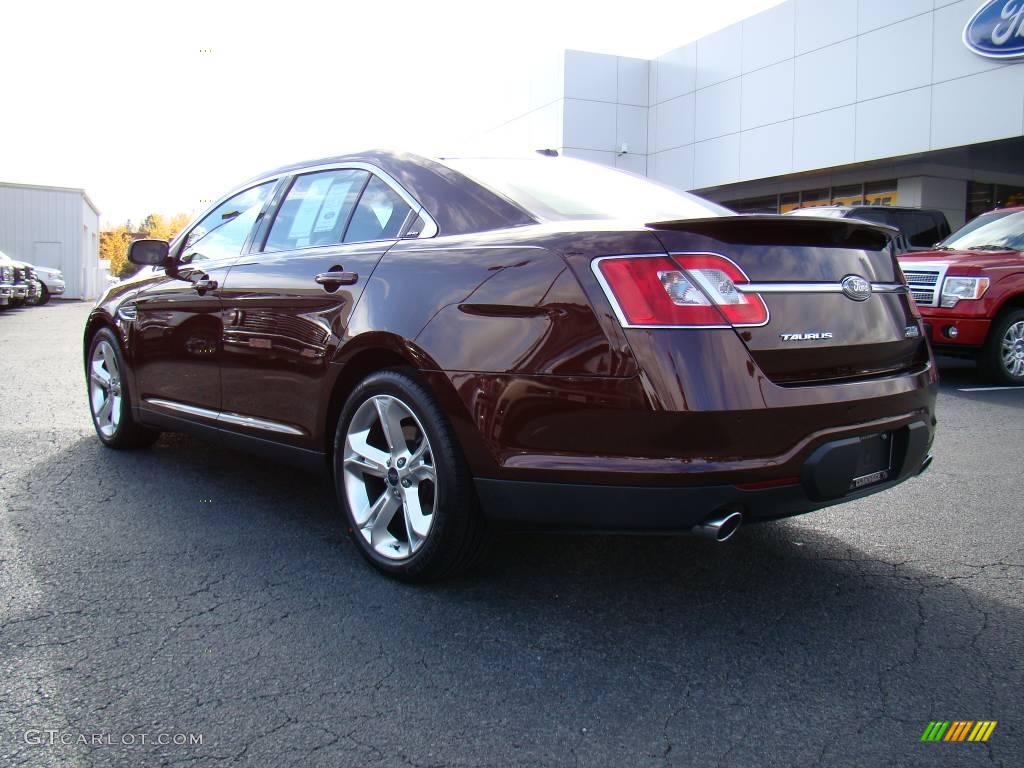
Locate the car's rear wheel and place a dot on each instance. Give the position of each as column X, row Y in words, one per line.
column 1002, row 359
column 108, row 396
column 403, row 483
column 44, row 296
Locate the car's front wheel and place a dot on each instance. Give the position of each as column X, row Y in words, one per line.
column 403, row 483
column 44, row 296
column 1002, row 359
column 108, row 396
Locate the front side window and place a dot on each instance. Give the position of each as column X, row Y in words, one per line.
column 223, row 231
column 379, row 216
column 316, row 210
column 565, row 188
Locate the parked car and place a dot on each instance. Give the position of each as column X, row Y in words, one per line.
column 537, row 341
column 24, row 288
column 970, row 290
column 6, row 280
column 51, row 283
column 920, row 228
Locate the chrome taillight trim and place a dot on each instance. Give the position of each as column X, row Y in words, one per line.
column 816, row 288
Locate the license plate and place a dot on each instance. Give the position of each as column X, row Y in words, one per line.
column 875, row 464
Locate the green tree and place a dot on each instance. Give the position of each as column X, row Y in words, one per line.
column 114, row 242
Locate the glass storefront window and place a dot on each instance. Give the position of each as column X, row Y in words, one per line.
column 789, row 202
column 849, row 195
column 880, row 193
column 814, row 197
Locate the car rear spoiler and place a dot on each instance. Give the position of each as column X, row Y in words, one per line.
column 761, row 229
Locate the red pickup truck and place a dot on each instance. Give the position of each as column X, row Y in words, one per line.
column 970, row 290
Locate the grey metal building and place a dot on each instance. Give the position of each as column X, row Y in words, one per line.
column 54, row 227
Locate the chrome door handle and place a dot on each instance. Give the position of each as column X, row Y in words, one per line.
column 337, row 278
column 205, row 284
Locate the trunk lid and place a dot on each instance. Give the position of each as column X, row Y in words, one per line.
column 815, row 331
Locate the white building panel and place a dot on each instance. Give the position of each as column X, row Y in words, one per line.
column 633, row 81
column 768, row 37
column 717, row 56
column 895, row 58
column 950, row 58
column 718, row 110
column 592, row 76
column 673, row 123
column 631, row 129
column 822, row 22
column 632, row 163
column 873, row 14
column 675, row 73
column 766, row 151
column 767, row 95
column 674, row 167
column 817, row 88
column 716, row 161
column 590, row 124
column 824, row 139
column 887, row 127
column 982, row 107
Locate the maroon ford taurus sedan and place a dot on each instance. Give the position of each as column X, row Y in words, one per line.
column 535, row 341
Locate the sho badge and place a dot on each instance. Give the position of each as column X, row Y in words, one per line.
column 808, row 336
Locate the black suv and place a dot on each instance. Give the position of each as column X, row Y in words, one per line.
column 921, row 228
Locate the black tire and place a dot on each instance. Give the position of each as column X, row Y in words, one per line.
column 127, row 433
column 44, row 295
column 993, row 365
column 458, row 534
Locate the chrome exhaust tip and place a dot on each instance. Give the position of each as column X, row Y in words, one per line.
column 719, row 528
column 925, row 464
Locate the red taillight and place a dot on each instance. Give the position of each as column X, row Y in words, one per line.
column 698, row 289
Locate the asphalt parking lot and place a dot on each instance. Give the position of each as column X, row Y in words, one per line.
column 189, row 590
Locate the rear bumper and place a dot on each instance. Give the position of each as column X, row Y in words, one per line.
column 825, row 479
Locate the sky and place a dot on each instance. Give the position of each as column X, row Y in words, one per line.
column 157, row 106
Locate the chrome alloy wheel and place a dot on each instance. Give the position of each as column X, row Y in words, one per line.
column 389, row 477
column 1013, row 349
column 105, row 389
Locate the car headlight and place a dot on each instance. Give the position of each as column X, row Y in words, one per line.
column 956, row 288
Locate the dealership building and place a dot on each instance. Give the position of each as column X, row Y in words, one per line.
column 811, row 102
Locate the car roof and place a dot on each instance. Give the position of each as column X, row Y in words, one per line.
column 456, row 203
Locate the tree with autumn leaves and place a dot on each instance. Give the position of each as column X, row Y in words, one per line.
column 114, row 242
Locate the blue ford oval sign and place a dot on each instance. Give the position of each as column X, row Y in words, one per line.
column 996, row 29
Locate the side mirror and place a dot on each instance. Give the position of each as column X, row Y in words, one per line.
column 149, row 253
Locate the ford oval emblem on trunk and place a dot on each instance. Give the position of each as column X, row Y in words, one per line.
column 856, row 287
column 996, row 30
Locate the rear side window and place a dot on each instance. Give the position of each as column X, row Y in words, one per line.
column 379, row 216
column 921, row 229
column 316, row 210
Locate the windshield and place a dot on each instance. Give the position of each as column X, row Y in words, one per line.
column 990, row 231
column 564, row 188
